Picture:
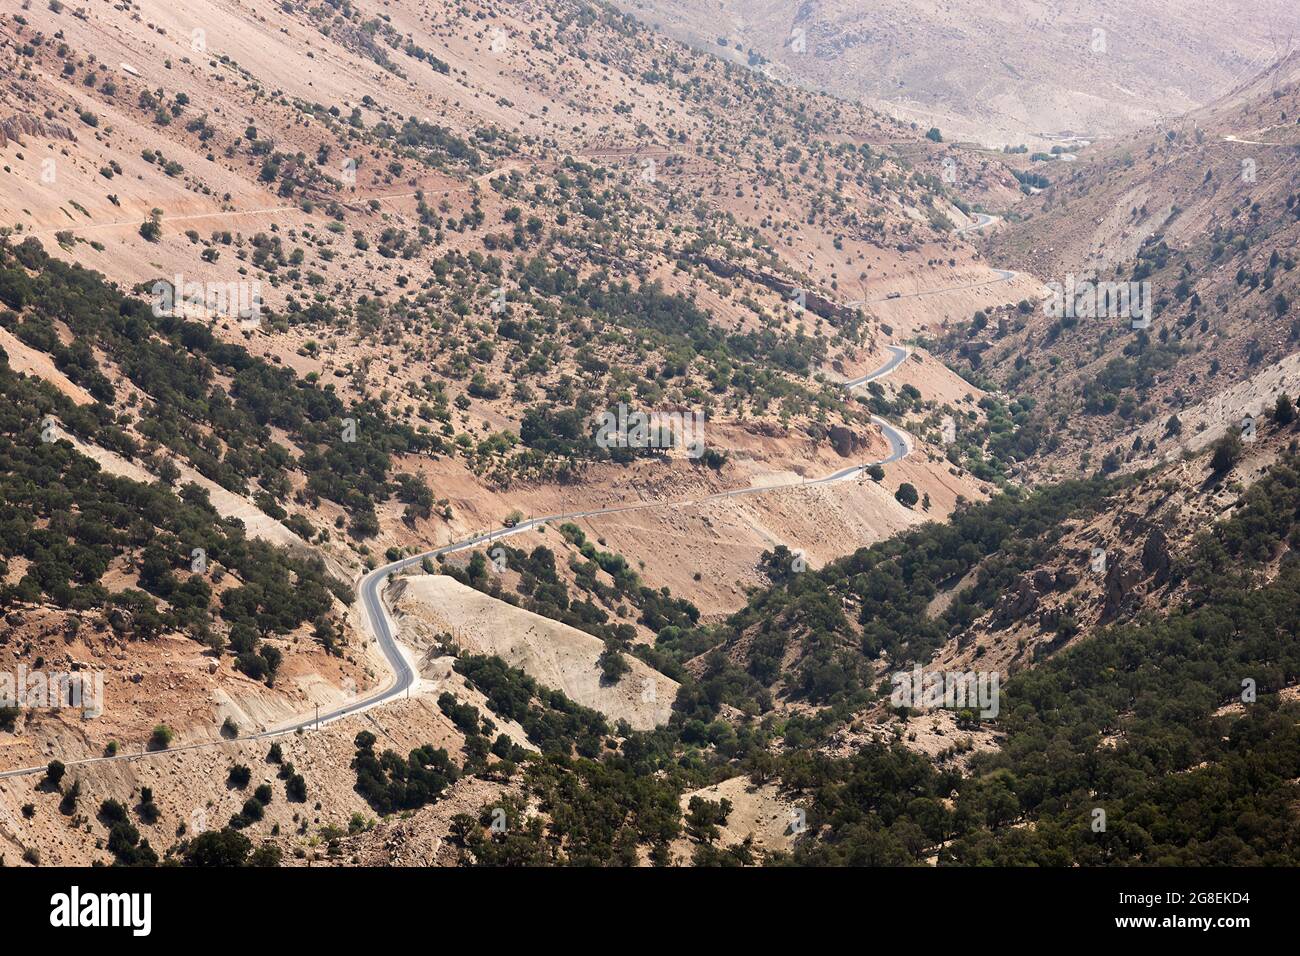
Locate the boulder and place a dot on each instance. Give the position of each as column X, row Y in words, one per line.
column 845, row 441
column 1121, row 576
column 1019, row 600
column 1066, row 579
column 1155, row 556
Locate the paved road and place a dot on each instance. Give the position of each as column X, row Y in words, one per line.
column 895, row 359
column 370, row 589
column 1003, row 275
column 381, row 626
column 982, row 221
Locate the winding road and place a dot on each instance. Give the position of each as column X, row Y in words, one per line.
column 1003, row 275
column 383, row 629
column 982, row 221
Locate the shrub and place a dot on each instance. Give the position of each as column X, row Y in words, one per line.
column 151, row 228
column 1227, row 452
column 218, row 848
column 69, row 802
column 239, row 776
column 1284, row 410
column 906, row 495
column 54, row 773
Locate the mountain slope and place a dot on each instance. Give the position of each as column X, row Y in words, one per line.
column 1205, row 212
column 1019, row 72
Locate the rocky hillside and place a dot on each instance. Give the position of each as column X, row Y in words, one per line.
column 292, row 293
column 999, row 73
column 1199, row 218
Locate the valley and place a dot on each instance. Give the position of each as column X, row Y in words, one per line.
column 485, row 435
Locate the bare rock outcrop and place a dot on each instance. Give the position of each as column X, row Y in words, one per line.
column 19, row 125
column 1121, row 578
column 1155, row 557
column 1019, row 600
column 1066, row 578
column 814, row 302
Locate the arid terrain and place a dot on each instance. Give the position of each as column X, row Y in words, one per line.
column 1021, row 72
column 506, row 434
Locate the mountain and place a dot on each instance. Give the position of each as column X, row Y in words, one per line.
column 500, row 434
column 1202, row 211
column 292, row 294
column 999, row 73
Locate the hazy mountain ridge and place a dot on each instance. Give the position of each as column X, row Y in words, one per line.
column 1204, row 212
column 999, row 73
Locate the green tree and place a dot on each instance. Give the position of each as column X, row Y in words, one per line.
column 218, row 848
column 54, row 773
column 1284, row 410
column 703, row 817
column 151, row 228
column 1227, row 451
column 906, row 495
